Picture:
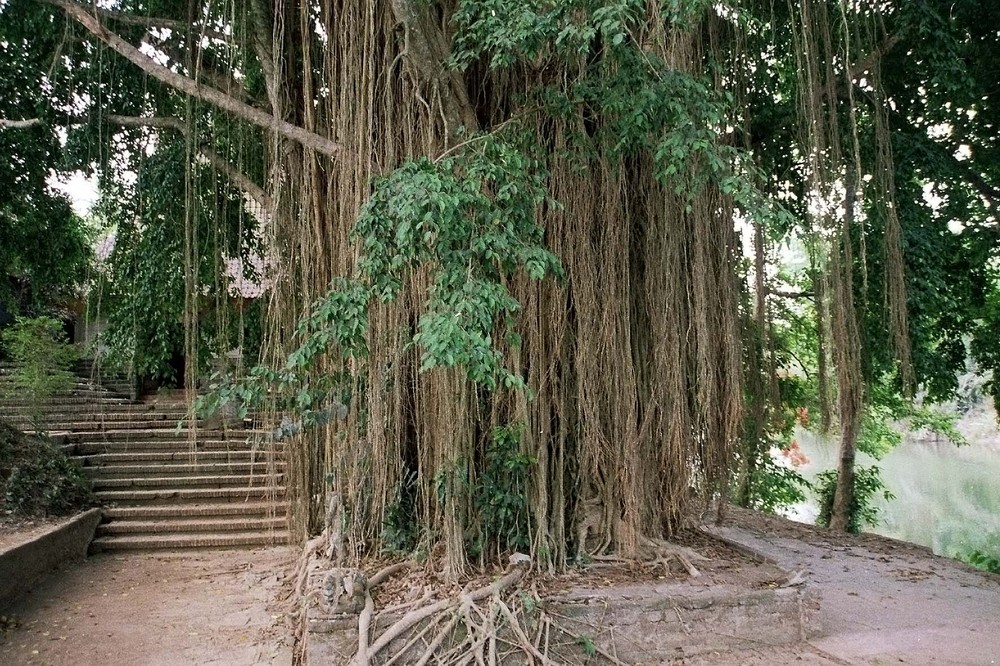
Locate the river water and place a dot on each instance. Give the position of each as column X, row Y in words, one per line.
column 947, row 497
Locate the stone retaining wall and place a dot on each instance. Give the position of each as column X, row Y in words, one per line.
column 25, row 565
column 648, row 623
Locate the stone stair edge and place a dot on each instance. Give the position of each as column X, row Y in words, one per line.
column 189, row 540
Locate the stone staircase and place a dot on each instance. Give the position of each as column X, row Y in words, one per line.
column 164, row 486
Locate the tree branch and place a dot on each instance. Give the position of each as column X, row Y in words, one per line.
column 790, row 294
column 19, row 124
column 218, row 78
column 873, row 58
column 161, row 122
column 237, row 177
column 154, row 22
column 862, row 66
column 192, row 87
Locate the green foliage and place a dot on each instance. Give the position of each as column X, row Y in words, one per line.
column 772, row 487
column 141, row 289
column 44, row 251
column 37, row 479
column 867, row 485
column 501, row 495
column 400, row 529
column 471, row 218
column 335, row 327
column 586, row 643
column 42, row 357
column 981, row 560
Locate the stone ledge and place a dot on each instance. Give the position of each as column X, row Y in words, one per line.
column 23, row 566
column 648, row 622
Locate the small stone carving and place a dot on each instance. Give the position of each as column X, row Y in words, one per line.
column 344, row 590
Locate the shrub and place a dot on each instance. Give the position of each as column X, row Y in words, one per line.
column 863, row 512
column 37, row 479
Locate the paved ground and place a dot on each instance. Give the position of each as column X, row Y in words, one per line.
column 882, row 601
column 206, row 607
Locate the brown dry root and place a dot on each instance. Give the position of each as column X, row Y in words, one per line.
column 660, row 552
column 499, row 623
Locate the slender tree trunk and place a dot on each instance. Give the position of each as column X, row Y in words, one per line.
column 849, row 380
column 840, row 515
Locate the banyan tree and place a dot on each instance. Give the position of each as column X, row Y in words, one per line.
column 517, row 256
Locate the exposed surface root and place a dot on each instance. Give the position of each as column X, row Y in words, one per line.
column 502, row 622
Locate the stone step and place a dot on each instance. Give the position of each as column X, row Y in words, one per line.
column 205, row 525
column 10, row 394
column 116, row 410
column 201, row 485
column 183, row 470
column 175, row 511
column 102, row 419
column 98, row 424
column 177, row 482
column 189, row 540
column 186, row 457
column 94, row 446
column 80, row 398
column 164, row 433
column 161, row 495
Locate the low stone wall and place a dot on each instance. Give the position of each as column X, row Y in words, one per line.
column 25, row 565
column 647, row 623
column 655, row 624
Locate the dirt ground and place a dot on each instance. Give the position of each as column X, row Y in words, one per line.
column 15, row 531
column 206, row 607
column 882, row 602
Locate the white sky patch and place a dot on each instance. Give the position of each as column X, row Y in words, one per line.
column 81, row 190
column 963, row 153
column 154, row 53
column 940, row 131
column 933, row 197
column 321, row 33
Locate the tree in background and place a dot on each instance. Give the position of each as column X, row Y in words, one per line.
column 45, row 249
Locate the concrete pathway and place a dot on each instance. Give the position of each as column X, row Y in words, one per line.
column 883, row 601
column 156, row 609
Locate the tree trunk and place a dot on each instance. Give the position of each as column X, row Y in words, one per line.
column 840, row 515
column 850, row 383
